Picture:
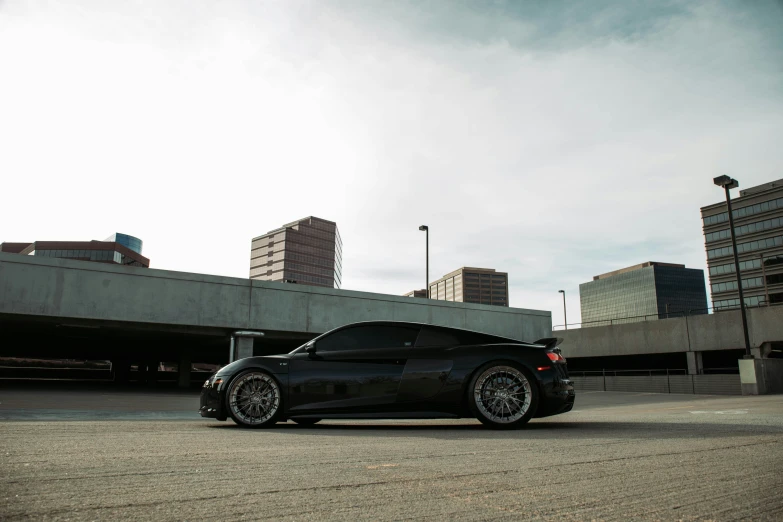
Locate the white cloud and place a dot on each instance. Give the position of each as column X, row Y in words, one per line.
column 548, row 144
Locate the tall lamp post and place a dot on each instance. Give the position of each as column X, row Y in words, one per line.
column 565, row 317
column 728, row 183
column 426, row 230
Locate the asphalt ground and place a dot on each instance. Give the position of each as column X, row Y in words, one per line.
column 70, row 454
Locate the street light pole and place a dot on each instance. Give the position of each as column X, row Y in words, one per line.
column 565, row 316
column 426, row 230
column 729, row 183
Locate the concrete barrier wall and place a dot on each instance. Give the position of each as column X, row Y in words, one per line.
column 719, row 331
column 722, row 330
column 699, row 384
column 588, row 383
column 84, row 290
column 681, row 384
column 646, row 383
column 717, row 384
column 36, row 286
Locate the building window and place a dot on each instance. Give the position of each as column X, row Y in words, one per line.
column 724, row 304
column 750, row 246
column 728, row 286
column 744, row 211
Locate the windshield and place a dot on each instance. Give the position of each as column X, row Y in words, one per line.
column 299, row 348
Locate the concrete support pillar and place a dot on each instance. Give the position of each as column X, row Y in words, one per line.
column 183, row 370
column 243, row 347
column 762, row 352
column 695, row 364
column 142, row 371
column 152, row 372
column 120, row 371
column 761, row 376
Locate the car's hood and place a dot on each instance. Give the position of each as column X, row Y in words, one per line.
column 272, row 362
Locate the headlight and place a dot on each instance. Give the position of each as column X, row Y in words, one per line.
column 212, row 382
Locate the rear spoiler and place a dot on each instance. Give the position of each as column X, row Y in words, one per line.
column 550, row 342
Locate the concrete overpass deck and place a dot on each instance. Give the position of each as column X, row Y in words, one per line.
column 67, row 308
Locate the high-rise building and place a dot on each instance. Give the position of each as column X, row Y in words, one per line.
column 758, row 227
column 308, row 251
column 646, row 291
column 416, row 293
column 472, row 285
column 113, row 250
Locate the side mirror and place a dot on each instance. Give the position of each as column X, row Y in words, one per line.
column 310, row 347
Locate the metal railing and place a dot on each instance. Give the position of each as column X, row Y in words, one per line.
column 647, row 372
column 627, row 373
column 665, row 380
column 657, row 317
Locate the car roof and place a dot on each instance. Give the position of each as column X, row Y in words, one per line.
column 491, row 338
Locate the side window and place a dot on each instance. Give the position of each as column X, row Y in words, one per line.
column 343, row 340
column 368, row 338
column 430, row 338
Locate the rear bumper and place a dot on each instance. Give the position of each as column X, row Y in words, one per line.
column 558, row 397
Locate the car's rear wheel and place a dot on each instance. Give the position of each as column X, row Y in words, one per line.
column 306, row 422
column 254, row 399
column 503, row 396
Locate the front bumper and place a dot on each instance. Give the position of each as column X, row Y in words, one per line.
column 211, row 404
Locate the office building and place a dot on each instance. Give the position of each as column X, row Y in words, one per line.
column 13, row 248
column 416, row 293
column 758, row 227
column 643, row 292
column 308, row 252
column 109, row 251
column 472, row 285
column 131, row 242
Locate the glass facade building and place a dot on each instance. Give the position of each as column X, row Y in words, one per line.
column 472, row 285
column 308, row 251
column 647, row 291
column 96, row 251
column 758, row 228
column 131, row 242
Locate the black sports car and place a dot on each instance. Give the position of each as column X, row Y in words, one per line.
column 384, row 370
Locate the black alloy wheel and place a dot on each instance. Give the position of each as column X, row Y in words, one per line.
column 254, row 399
column 306, row 422
column 503, row 395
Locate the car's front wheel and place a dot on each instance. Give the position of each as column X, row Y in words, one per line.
column 503, row 396
column 254, row 399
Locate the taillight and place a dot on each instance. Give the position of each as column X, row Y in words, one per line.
column 555, row 357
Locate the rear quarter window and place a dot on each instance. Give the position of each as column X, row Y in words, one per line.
column 436, row 337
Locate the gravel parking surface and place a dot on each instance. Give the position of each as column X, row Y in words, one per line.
column 617, row 456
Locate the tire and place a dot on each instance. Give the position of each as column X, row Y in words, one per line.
column 503, row 395
column 254, row 400
column 306, row 422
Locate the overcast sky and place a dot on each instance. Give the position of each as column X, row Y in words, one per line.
column 551, row 140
